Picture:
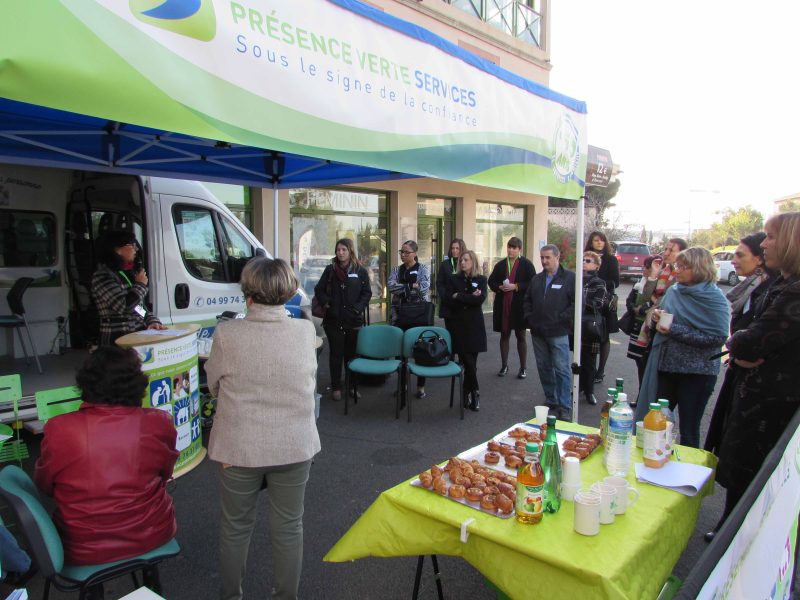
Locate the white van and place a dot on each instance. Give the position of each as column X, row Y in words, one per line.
column 194, row 248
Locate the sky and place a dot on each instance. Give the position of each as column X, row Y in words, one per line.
column 697, row 102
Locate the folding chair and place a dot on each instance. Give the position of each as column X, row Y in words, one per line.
column 11, row 392
column 58, row 401
column 378, row 348
column 47, row 552
column 451, row 369
column 17, row 319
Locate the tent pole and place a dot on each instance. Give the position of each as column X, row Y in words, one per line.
column 275, row 219
column 576, row 352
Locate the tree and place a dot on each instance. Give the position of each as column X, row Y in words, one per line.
column 789, row 206
column 736, row 224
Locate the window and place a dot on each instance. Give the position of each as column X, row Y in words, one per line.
column 27, row 239
column 495, row 224
column 198, row 243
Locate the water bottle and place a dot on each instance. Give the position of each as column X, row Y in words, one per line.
column 619, row 441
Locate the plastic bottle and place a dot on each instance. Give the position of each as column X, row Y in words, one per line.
column 612, row 396
column 620, row 437
column 530, row 487
column 551, row 465
column 670, row 426
column 655, row 437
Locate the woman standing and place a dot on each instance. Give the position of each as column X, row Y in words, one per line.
column 638, row 303
column 262, row 369
column 748, row 261
column 509, row 281
column 465, row 294
column 595, row 302
column 609, row 272
column 409, row 281
column 119, row 288
column 343, row 288
column 768, row 353
column 678, row 368
column 447, row 269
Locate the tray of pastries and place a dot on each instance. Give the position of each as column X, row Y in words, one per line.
column 472, row 484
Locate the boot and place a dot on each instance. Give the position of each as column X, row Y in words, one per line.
column 466, row 399
column 475, row 405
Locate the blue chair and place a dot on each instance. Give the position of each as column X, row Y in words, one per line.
column 451, row 369
column 378, row 348
column 44, row 544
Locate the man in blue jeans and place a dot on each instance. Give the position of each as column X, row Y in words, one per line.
column 548, row 309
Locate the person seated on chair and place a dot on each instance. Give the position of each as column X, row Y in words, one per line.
column 107, row 464
column 119, row 287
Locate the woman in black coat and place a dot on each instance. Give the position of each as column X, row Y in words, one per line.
column 509, row 281
column 344, row 290
column 464, row 296
column 447, row 269
column 609, row 272
column 767, row 394
column 595, row 301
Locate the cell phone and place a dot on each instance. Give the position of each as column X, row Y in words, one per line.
column 718, row 355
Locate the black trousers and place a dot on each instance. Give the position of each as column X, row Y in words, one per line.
column 470, row 362
column 588, row 369
column 690, row 393
column 342, row 349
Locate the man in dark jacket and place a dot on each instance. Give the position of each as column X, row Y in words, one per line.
column 548, row 308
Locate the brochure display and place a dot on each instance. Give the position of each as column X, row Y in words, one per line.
column 169, row 359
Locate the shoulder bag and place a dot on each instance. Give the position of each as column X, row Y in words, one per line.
column 317, row 308
column 430, row 349
column 414, row 312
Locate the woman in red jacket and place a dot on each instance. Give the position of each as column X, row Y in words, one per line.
column 107, row 464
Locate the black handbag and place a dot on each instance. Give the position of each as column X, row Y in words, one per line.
column 593, row 327
column 414, row 314
column 625, row 324
column 430, row 350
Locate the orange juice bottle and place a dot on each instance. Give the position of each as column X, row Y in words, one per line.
column 530, row 487
column 655, row 437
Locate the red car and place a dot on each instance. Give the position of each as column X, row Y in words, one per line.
column 630, row 256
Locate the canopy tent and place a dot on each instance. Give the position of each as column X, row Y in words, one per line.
column 273, row 94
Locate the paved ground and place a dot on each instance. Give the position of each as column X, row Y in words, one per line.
column 363, row 454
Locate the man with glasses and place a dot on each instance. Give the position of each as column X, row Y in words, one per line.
column 548, row 308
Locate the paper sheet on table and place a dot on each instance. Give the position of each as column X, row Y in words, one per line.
column 685, row 478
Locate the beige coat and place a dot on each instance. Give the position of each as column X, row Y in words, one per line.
column 262, row 369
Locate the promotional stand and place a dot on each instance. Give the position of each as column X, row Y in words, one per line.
column 169, row 359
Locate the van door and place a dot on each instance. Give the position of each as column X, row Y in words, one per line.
column 205, row 250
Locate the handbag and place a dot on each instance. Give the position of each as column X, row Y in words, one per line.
column 317, row 308
column 430, row 349
column 592, row 327
column 625, row 324
column 414, row 314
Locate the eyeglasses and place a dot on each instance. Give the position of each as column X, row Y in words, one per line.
column 588, row 260
column 680, row 267
column 405, row 252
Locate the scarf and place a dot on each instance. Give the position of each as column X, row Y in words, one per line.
column 341, row 274
column 666, row 278
column 508, row 297
column 700, row 306
column 739, row 295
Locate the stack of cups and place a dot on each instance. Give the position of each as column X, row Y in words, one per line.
column 541, row 414
column 587, row 512
column 571, row 478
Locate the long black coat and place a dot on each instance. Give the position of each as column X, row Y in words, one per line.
column 346, row 300
column 765, row 398
column 525, row 272
column 465, row 322
column 446, row 271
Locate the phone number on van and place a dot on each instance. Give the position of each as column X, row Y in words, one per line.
column 199, row 301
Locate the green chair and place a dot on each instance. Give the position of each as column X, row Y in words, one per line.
column 47, row 552
column 11, row 392
column 378, row 348
column 452, row 369
column 58, row 401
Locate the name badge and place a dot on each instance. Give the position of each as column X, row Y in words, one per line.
column 139, row 309
column 556, row 286
column 412, row 272
column 354, row 275
column 474, row 284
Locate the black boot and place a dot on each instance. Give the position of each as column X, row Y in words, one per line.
column 475, row 405
column 466, row 399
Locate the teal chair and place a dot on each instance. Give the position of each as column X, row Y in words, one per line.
column 451, row 369
column 11, row 392
column 58, row 401
column 47, row 553
column 379, row 348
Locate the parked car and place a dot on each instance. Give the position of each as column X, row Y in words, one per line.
column 630, row 256
column 725, row 270
column 311, row 270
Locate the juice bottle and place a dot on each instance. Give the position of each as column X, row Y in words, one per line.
column 530, row 487
column 610, row 399
column 655, row 437
column 670, row 426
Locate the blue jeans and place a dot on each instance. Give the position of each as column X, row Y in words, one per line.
column 552, row 361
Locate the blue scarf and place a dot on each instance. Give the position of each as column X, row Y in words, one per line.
column 701, row 306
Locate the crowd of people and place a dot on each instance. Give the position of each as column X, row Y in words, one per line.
column 263, row 369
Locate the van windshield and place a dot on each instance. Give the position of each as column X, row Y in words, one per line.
column 633, row 249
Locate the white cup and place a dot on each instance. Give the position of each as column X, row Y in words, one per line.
column 640, row 434
column 568, row 491
column 624, row 491
column 665, row 320
column 587, row 512
column 541, row 414
column 571, row 471
column 608, row 501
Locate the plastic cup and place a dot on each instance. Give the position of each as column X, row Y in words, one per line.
column 608, row 504
column 571, row 471
column 541, row 414
column 665, row 320
column 587, row 512
column 624, row 491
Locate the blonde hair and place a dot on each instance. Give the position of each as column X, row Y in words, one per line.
column 701, row 262
column 598, row 260
column 268, row 281
column 475, row 268
column 787, row 241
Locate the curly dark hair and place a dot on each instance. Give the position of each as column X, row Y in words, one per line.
column 112, row 375
column 606, row 251
column 107, row 245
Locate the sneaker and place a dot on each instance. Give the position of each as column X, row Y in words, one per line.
column 503, row 371
column 421, row 393
column 522, row 373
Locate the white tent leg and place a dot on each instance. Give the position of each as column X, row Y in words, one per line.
column 576, row 334
column 275, row 220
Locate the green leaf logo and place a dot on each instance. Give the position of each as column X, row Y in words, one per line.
column 192, row 18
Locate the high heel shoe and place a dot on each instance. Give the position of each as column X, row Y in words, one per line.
column 475, row 405
column 503, row 371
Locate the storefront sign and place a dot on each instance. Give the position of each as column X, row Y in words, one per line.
column 598, row 168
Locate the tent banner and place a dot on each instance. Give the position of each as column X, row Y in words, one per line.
column 332, row 79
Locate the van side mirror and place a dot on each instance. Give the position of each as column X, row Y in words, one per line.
column 260, row 252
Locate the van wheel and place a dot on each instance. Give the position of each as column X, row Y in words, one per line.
column 733, row 278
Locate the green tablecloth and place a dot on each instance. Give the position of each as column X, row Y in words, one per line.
column 630, row 558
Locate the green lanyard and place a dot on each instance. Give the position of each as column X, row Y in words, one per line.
column 125, row 277
column 453, row 264
column 508, row 262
